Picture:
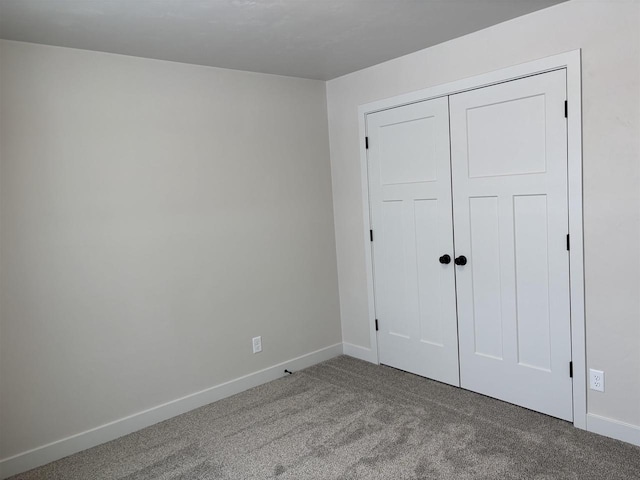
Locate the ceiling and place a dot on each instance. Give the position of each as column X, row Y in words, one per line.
column 320, row 39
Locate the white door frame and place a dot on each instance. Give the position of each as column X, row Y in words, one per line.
column 572, row 63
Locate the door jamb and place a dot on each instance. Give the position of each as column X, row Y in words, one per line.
column 571, row 61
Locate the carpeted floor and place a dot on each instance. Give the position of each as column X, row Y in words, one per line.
column 347, row 419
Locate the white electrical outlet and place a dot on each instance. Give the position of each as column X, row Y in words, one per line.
column 257, row 344
column 596, row 380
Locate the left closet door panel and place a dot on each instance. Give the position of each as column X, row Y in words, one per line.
column 411, row 215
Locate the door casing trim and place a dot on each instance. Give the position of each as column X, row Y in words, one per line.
column 571, row 61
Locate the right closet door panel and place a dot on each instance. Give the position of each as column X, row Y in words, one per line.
column 509, row 172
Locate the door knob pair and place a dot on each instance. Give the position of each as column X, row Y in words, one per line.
column 446, row 259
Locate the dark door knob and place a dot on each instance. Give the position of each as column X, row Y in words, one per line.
column 461, row 260
column 445, row 259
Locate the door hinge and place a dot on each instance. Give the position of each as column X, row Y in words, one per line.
column 568, row 243
column 371, row 235
column 376, row 324
column 571, row 369
column 566, row 109
column 366, row 143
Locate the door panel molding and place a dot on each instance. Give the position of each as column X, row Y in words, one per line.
column 571, row 61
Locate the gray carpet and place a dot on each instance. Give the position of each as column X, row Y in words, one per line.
column 347, row 419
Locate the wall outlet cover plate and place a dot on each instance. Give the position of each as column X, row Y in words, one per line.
column 596, row 380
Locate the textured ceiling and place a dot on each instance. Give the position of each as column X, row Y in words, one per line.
column 320, row 39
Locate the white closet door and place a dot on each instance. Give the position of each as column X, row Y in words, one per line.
column 410, row 198
column 509, row 163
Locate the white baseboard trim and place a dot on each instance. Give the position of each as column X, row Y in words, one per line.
column 362, row 353
column 110, row 431
column 613, row 428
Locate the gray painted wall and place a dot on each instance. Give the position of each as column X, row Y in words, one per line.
column 155, row 216
column 609, row 37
